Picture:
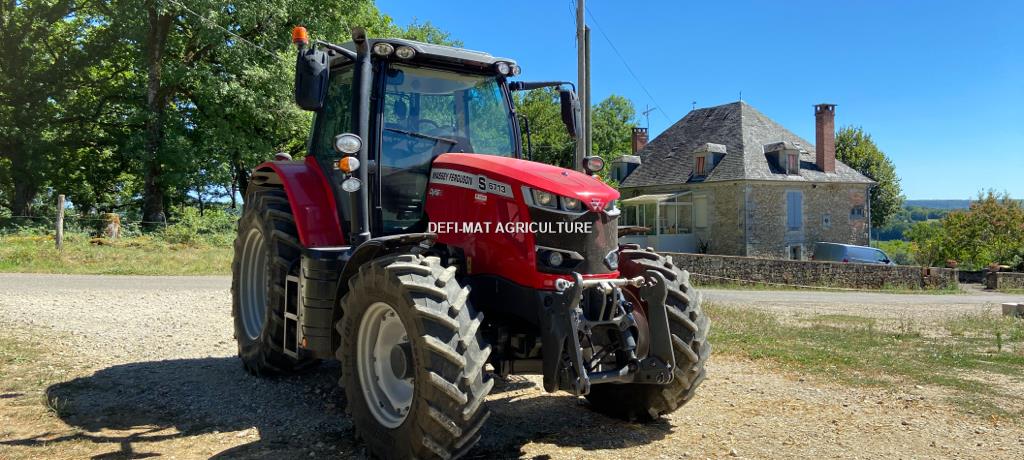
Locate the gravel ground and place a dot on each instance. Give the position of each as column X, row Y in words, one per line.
column 150, row 370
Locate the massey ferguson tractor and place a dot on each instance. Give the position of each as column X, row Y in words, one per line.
column 417, row 246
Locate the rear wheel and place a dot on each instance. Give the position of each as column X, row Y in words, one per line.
column 689, row 327
column 412, row 362
column 266, row 249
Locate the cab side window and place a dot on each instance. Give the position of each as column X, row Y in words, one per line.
column 336, row 116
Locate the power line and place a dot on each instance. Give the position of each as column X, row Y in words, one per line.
column 627, row 65
column 222, row 28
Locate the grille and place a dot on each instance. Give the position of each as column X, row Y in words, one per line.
column 593, row 246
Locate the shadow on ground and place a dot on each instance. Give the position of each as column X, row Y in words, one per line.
column 132, row 406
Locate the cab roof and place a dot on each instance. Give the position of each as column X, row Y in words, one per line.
column 432, row 52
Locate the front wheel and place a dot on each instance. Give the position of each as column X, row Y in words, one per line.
column 412, row 361
column 689, row 328
column 266, row 249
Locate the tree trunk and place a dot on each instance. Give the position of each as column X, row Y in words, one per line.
column 156, row 101
column 234, row 190
column 24, row 193
column 242, row 176
column 25, row 181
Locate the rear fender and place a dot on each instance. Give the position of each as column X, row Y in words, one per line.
column 310, row 197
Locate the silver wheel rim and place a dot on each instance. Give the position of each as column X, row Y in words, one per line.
column 389, row 396
column 253, row 284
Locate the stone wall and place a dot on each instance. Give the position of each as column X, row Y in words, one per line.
column 1004, row 280
column 826, row 216
column 812, row 273
column 724, row 234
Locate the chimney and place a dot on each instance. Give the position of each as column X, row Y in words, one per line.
column 825, row 136
column 639, row 139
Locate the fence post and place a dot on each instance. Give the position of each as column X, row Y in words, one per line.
column 60, row 221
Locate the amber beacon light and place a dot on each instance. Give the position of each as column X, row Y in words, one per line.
column 300, row 37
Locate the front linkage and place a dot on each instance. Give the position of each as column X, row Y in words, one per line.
column 563, row 323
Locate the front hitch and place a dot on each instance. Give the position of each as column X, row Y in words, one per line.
column 562, row 323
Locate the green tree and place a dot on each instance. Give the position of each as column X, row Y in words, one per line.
column 991, row 231
column 42, row 58
column 855, row 148
column 161, row 102
column 612, row 121
column 550, row 141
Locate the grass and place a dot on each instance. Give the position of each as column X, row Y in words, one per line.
column 142, row 255
column 14, row 352
column 958, row 355
column 758, row 286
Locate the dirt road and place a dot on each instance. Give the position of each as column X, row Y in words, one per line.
column 876, row 304
column 145, row 366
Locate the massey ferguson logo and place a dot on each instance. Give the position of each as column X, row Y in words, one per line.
column 478, row 182
column 595, row 204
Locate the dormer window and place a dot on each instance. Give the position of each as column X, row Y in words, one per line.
column 785, row 156
column 792, row 163
column 705, row 157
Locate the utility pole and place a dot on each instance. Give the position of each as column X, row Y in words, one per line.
column 590, row 132
column 582, row 144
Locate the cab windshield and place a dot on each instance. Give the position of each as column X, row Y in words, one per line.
column 429, row 112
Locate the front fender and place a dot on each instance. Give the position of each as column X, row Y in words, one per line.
column 311, row 199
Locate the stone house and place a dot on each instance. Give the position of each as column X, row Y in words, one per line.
column 729, row 180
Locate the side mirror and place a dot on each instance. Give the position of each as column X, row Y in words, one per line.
column 570, row 112
column 312, row 74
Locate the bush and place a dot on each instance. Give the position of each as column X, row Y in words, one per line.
column 900, row 252
column 215, row 227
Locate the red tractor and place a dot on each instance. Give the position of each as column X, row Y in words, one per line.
column 416, row 246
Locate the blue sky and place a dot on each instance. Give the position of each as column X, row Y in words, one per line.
column 938, row 84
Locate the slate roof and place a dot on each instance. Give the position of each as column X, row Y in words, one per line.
column 668, row 159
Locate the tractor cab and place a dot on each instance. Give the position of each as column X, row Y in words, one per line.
column 421, row 101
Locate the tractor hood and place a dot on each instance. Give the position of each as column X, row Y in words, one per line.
column 560, row 181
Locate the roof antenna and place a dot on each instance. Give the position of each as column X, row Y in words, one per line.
column 741, row 95
column 693, row 106
column 647, row 114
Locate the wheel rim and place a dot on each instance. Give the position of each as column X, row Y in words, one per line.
column 384, row 361
column 253, row 284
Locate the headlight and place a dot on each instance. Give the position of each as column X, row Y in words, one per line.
column 548, row 200
column 545, row 199
column 347, row 143
column 503, row 68
column 383, row 49
column 351, row 185
column 555, row 258
column 405, row 52
column 516, row 70
column 594, row 164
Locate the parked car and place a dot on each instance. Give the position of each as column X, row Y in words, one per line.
column 838, row 252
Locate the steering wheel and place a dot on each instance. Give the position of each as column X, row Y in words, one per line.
column 429, row 122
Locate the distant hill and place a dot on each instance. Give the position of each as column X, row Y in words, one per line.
column 939, row 204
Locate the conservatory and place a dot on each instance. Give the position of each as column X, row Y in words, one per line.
column 667, row 220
